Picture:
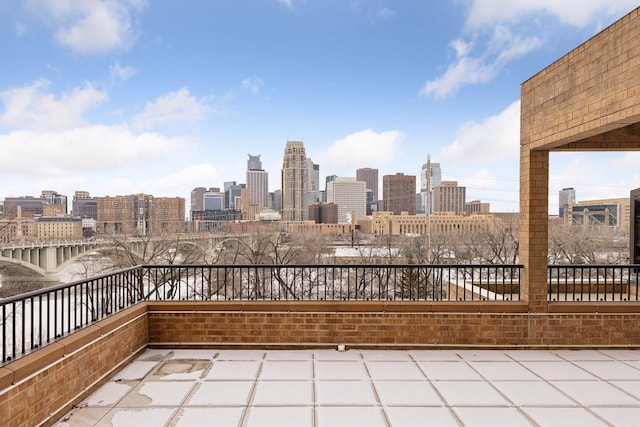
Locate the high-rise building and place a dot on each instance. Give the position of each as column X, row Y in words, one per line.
column 53, row 198
column 295, row 183
column 257, row 182
column 276, row 200
column 254, row 162
column 84, row 206
column 213, row 199
column 372, row 203
column 29, row 206
column 140, row 214
column 448, row 197
column 166, row 215
column 566, row 198
column 351, row 197
column 250, row 211
column 313, row 182
column 399, row 193
column 431, row 177
column 197, row 199
column 231, row 193
column 370, row 177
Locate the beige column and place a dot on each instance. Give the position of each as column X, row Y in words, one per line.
column 534, row 221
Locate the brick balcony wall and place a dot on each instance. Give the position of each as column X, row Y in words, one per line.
column 43, row 385
column 392, row 325
column 40, row 387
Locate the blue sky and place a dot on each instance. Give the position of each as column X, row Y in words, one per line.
column 126, row 96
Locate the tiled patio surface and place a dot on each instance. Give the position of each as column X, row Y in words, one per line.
column 328, row 388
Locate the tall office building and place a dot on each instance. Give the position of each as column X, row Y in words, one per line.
column 370, row 177
column 254, row 162
column 197, row 199
column 276, row 200
column 257, row 182
column 448, row 197
column 399, row 193
column 566, row 198
column 84, row 206
column 213, row 200
column 295, row 178
column 29, row 206
column 351, row 197
column 431, row 177
column 231, row 193
column 314, row 182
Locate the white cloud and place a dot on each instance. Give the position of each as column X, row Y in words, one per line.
column 498, row 32
column 89, row 26
column 578, row 13
column 494, row 139
column 173, row 107
column 89, row 149
column 291, row 3
column 476, row 68
column 174, row 184
column 253, row 84
column 384, row 13
column 118, row 72
column 360, row 149
column 30, row 107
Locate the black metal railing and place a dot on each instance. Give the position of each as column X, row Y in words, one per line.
column 30, row 321
column 407, row 282
column 35, row 319
column 593, row 282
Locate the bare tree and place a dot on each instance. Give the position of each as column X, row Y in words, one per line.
column 497, row 244
column 163, row 249
column 570, row 244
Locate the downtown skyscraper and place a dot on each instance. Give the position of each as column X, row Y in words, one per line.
column 295, row 176
column 399, row 193
column 257, row 182
column 350, row 196
column 431, row 177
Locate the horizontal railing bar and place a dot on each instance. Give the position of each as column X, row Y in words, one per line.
column 51, row 289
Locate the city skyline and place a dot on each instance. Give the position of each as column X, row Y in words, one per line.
column 127, row 97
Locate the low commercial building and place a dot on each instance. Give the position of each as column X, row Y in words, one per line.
column 385, row 222
column 59, row 227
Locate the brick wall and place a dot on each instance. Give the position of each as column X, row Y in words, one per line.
column 392, row 325
column 41, row 386
column 588, row 100
column 593, row 89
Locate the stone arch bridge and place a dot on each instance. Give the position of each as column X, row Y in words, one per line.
column 43, row 261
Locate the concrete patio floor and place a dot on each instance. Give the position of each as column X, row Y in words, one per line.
column 322, row 388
